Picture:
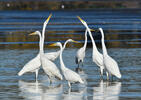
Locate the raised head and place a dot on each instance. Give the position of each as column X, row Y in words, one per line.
column 35, row 33
column 83, row 22
column 47, row 20
column 71, row 40
column 56, row 44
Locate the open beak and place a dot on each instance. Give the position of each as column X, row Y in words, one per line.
column 48, row 18
column 53, row 44
column 32, row 33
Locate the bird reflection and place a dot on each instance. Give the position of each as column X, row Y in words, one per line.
column 107, row 91
column 30, row 91
column 53, row 92
column 37, row 91
column 76, row 94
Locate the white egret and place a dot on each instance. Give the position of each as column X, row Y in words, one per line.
column 69, row 75
column 48, row 66
column 96, row 55
column 34, row 64
column 110, row 64
column 81, row 52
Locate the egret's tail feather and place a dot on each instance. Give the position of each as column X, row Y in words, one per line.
column 81, row 81
column 119, row 76
column 20, row 73
column 59, row 77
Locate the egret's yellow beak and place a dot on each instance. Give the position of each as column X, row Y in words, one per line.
column 80, row 19
column 32, row 33
column 92, row 30
column 53, row 44
column 75, row 41
column 48, row 18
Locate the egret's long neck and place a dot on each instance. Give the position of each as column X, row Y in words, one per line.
column 85, row 44
column 103, row 44
column 64, row 46
column 61, row 59
column 40, row 42
column 43, row 37
column 93, row 42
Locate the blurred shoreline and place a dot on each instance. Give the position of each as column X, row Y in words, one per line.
column 68, row 5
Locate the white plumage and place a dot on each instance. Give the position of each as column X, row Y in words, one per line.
column 69, row 75
column 96, row 55
column 32, row 66
column 80, row 55
column 48, row 66
column 110, row 64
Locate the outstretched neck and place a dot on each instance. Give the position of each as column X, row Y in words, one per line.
column 43, row 37
column 93, row 42
column 103, row 44
column 85, row 44
column 40, row 43
column 64, row 46
column 61, row 59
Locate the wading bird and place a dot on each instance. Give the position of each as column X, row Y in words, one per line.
column 110, row 64
column 81, row 52
column 48, row 66
column 69, row 75
column 34, row 64
column 96, row 55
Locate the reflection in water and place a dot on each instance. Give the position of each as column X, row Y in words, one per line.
column 30, row 91
column 75, row 95
column 36, row 91
column 53, row 92
column 107, row 91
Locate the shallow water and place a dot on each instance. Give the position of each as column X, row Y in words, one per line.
column 122, row 30
column 14, row 87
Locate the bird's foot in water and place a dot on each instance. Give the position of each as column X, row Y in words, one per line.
column 78, row 69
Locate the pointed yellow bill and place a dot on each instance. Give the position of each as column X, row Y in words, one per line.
column 32, row 33
column 92, row 30
column 48, row 18
column 53, row 44
column 75, row 41
column 80, row 19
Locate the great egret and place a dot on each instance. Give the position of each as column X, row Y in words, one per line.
column 81, row 52
column 69, row 75
column 34, row 64
column 110, row 64
column 96, row 55
column 48, row 66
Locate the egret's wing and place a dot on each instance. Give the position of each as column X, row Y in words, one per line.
column 72, row 76
column 111, row 65
column 31, row 66
column 98, row 59
column 49, row 66
column 52, row 55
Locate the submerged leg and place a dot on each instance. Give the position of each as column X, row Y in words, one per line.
column 112, row 77
column 82, row 64
column 69, row 84
column 50, row 80
column 101, row 73
column 107, row 76
column 36, row 73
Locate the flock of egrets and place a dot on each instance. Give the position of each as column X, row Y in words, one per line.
column 103, row 61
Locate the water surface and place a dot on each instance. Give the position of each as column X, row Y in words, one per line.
column 122, row 30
